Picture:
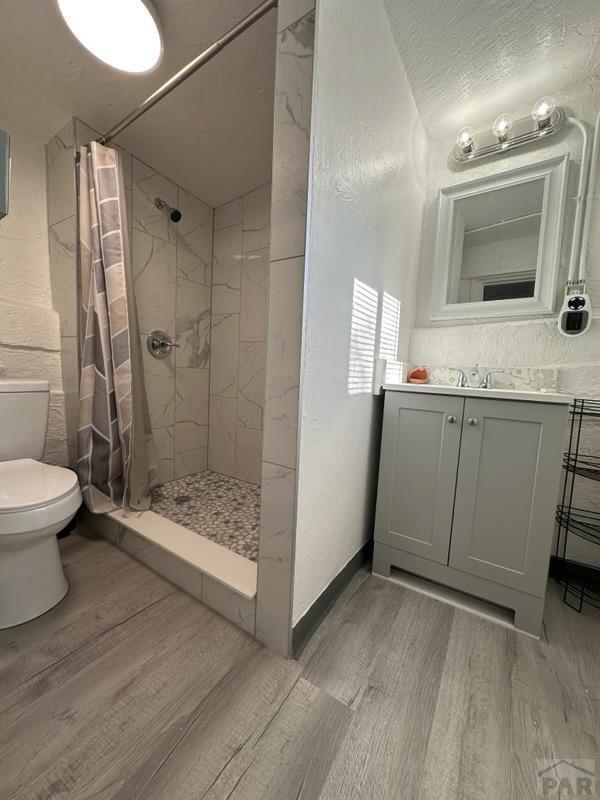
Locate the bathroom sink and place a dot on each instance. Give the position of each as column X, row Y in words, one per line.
column 467, row 391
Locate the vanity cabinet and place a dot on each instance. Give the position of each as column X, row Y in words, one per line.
column 467, row 495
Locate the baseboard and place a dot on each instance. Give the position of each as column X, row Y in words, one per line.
column 307, row 625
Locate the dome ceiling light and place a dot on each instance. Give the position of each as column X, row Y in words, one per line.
column 123, row 33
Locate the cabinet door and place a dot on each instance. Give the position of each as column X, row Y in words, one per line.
column 508, row 476
column 417, row 474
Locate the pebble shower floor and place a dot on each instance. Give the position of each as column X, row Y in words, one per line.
column 224, row 509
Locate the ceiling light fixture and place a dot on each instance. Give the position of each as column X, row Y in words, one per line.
column 123, row 33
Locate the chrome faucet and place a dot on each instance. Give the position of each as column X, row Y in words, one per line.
column 462, row 381
column 486, row 381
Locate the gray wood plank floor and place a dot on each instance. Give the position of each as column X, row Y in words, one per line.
column 131, row 690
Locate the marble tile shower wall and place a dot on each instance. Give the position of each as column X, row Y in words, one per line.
column 291, row 146
column 60, row 173
column 171, row 266
column 239, row 329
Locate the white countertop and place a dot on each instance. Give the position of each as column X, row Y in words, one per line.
column 493, row 394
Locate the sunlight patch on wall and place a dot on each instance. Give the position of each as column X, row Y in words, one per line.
column 389, row 337
column 390, row 327
column 363, row 335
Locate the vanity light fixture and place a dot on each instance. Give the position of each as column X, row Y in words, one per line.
column 505, row 134
column 542, row 111
column 123, row 33
column 502, row 127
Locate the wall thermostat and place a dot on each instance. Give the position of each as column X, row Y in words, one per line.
column 575, row 316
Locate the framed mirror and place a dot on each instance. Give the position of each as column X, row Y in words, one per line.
column 498, row 243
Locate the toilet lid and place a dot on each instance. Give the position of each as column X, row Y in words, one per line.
column 25, row 483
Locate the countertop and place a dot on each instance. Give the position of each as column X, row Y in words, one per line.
column 492, row 394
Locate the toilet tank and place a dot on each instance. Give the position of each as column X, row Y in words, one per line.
column 23, row 418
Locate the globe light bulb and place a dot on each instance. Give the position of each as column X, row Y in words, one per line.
column 502, row 127
column 543, row 110
column 465, row 139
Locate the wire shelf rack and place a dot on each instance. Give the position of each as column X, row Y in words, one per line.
column 580, row 582
column 586, row 465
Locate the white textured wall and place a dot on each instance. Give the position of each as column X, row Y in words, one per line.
column 366, row 199
column 29, row 327
column 531, row 342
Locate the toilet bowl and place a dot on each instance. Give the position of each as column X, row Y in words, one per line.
column 36, row 502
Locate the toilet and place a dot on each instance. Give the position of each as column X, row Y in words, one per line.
column 36, row 502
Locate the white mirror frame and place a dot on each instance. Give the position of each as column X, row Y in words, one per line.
column 554, row 171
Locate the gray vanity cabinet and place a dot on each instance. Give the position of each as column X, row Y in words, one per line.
column 467, row 495
column 420, row 449
column 506, row 491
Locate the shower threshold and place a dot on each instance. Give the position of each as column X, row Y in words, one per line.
column 204, row 568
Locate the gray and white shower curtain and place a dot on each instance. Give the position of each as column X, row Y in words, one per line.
column 115, row 461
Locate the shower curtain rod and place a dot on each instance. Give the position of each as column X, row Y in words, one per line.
column 189, row 69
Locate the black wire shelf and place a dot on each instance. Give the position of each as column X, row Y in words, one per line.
column 585, row 407
column 580, row 582
column 580, row 521
column 584, row 464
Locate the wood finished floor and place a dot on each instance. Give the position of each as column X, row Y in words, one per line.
column 131, row 690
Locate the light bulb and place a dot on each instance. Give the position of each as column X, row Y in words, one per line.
column 543, row 110
column 464, row 139
column 502, row 127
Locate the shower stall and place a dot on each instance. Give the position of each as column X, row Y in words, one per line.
column 219, row 317
column 203, row 282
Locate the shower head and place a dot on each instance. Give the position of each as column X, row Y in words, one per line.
column 174, row 214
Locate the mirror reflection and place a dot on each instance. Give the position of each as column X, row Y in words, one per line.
column 497, row 236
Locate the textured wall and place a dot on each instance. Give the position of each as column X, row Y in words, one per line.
column 29, row 327
column 533, row 343
column 61, row 235
column 470, row 61
column 239, row 330
column 366, row 195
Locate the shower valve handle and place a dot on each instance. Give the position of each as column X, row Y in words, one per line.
column 160, row 344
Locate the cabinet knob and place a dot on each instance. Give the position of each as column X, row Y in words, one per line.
column 472, row 420
column 451, row 419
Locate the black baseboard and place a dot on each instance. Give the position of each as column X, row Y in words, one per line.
column 305, row 627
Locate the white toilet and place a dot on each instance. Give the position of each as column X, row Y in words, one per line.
column 36, row 502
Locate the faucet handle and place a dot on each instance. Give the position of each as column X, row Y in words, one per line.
column 486, row 381
column 462, row 381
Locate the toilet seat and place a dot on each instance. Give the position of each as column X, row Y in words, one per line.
column 34, row 496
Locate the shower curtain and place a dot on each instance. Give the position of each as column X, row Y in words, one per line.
column 115, row 460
